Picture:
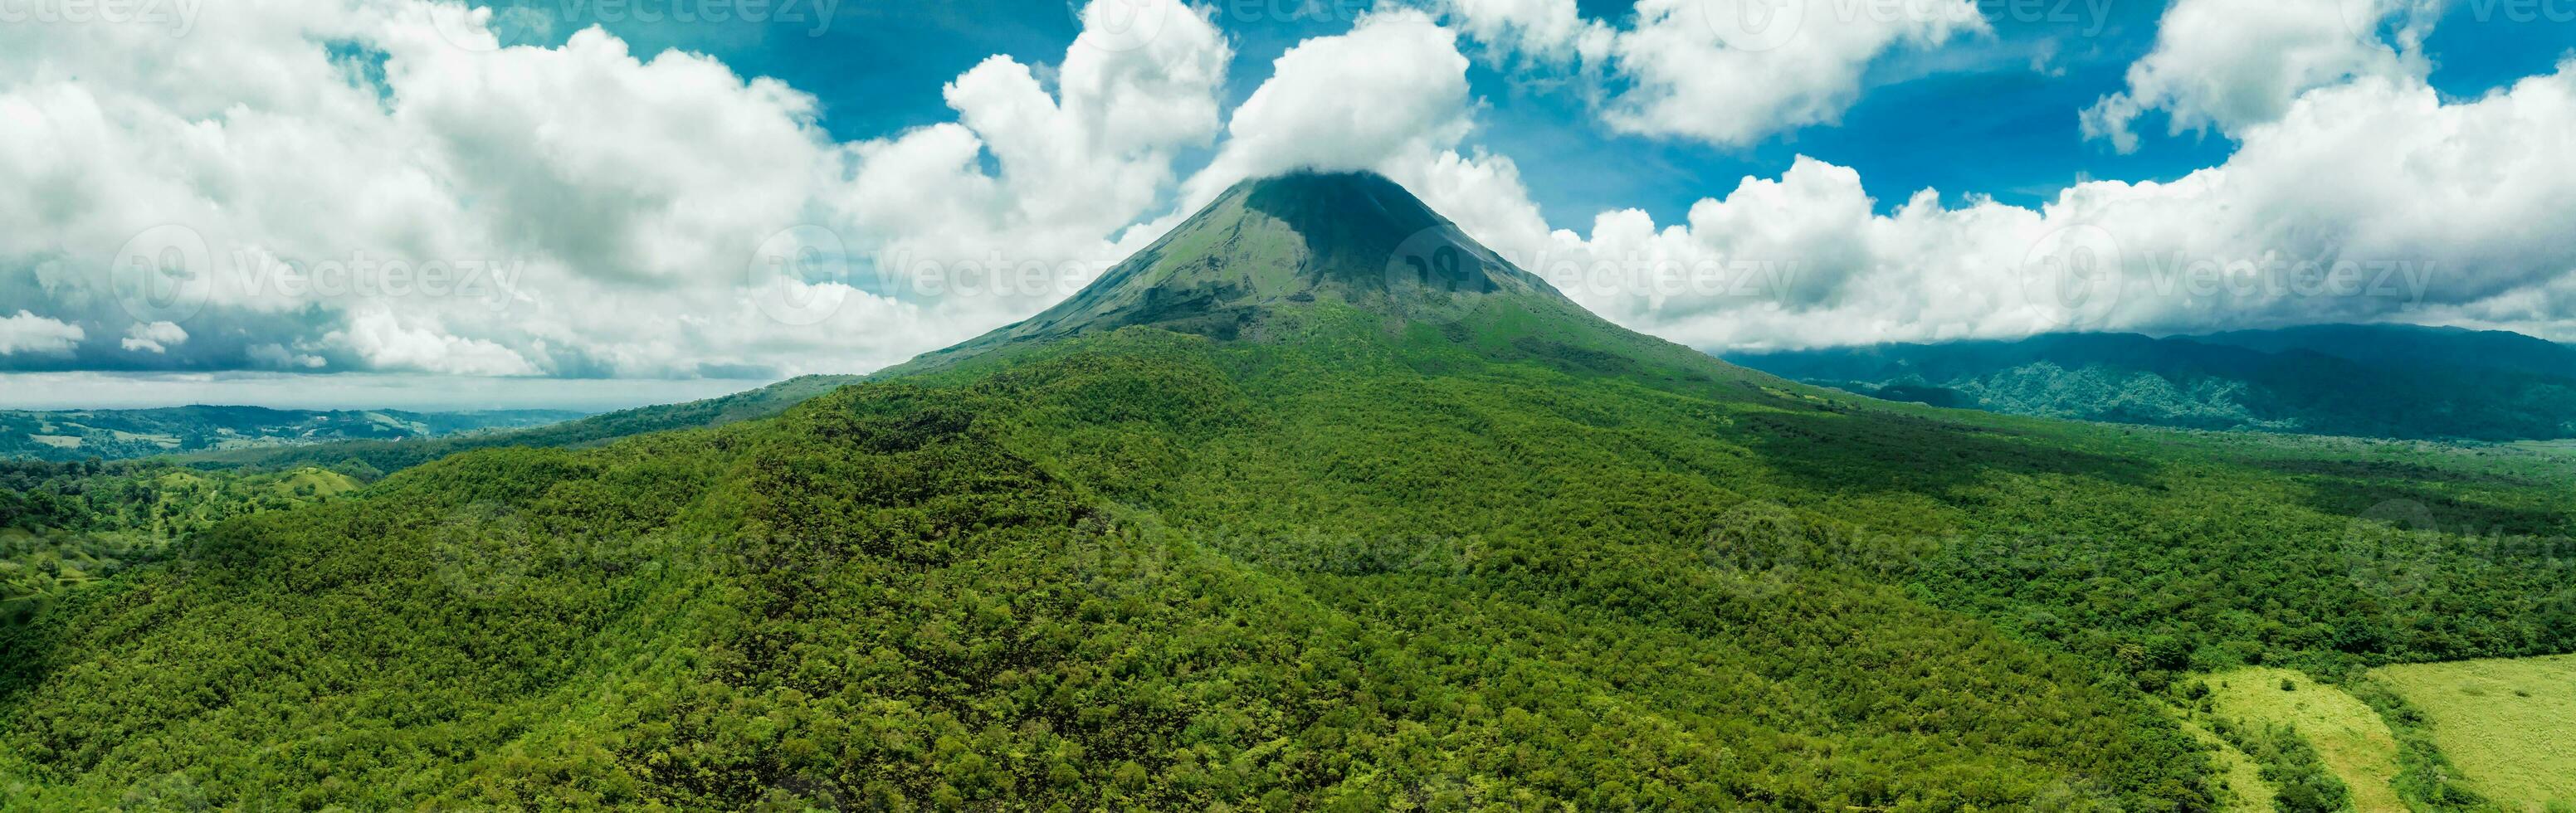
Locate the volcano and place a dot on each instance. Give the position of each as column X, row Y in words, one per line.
column 1286, row 246
column 1316, row 504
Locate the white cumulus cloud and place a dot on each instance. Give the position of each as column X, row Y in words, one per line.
column 153, row 337
column 1726, row 72
column 387, row 343
column 29, row 333
column 2369, row 201
column 2364, row 200
column 1393, row 88
column 333, row 185
column 2233, row 64
column 338, row 185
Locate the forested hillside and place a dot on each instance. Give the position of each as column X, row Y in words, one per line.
column 2353, row 380
column 1359, row 541
column 66, row 525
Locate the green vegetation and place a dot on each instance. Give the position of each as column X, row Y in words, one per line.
column 66, row 525
column 116, row 434
column 2294, row 775
column 2239, row 784
column 1283, row 531
column 2356, row 380
column 903, row 585
column 2319, row 749
column 2426, row 778
column 2508, row 724
column 2393, row 554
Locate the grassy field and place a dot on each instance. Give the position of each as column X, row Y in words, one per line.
column 2508, row 724
column 2351, row 738
column 2240, row 785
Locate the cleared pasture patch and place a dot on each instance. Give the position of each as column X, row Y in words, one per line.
column 2508, row 724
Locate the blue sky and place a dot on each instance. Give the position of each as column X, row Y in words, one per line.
column 1967, row 117
column 340, row 199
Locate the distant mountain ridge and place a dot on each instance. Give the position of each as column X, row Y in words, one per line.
column 116, row 434
column 2414, row 344
column 2394, row 381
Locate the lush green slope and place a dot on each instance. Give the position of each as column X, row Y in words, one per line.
column 1353, row 546
column 113, row 434
column 2356, row 380
column 893, row 590
column 63, row 526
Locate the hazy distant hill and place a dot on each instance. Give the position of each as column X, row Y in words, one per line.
column 115, row 434
column 2392, row 381
column 385, row 456
column 2414, row 346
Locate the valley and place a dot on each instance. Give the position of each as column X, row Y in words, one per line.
column 119, row 434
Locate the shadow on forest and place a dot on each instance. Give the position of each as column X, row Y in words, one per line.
column 1835, row 451
column 2448, row 513
column 2392, row 470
